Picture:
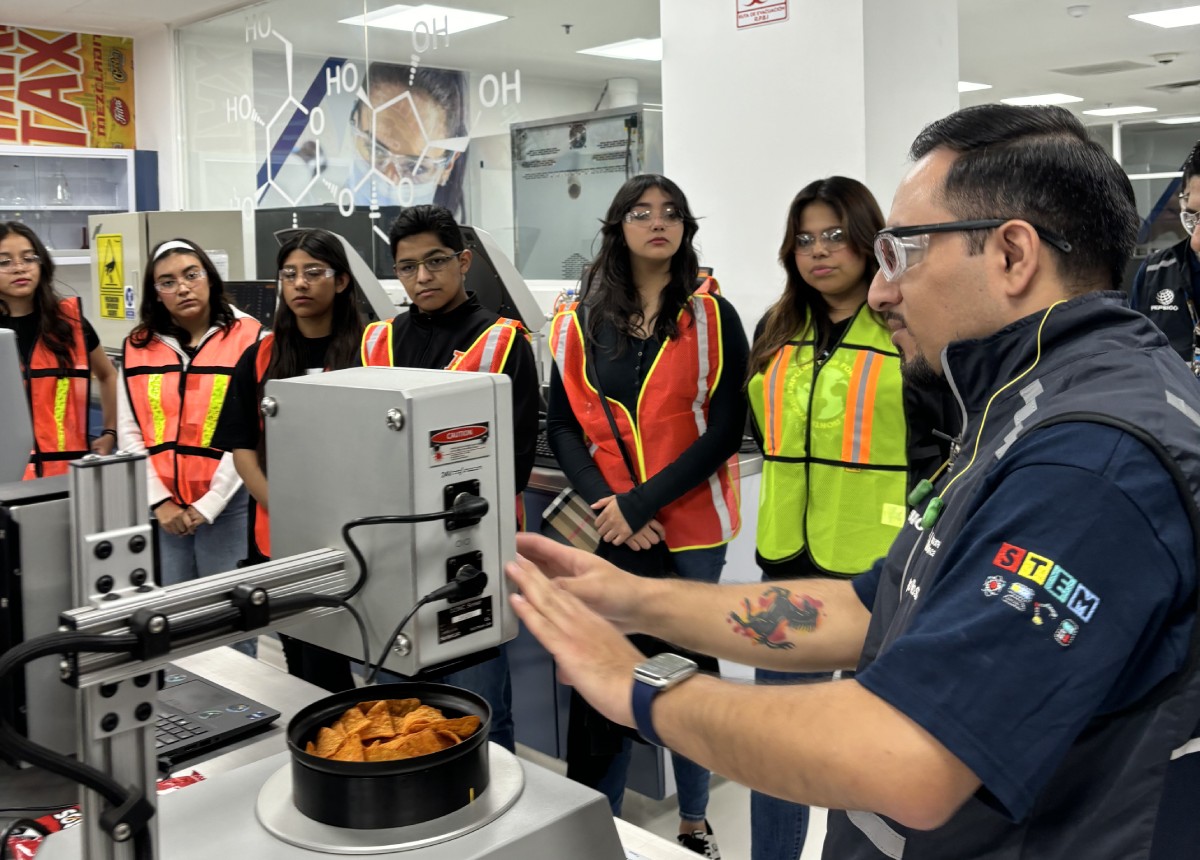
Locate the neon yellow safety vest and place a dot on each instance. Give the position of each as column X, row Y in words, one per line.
column 834, row 449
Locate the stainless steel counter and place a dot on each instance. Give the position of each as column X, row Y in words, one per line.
column 36, row 792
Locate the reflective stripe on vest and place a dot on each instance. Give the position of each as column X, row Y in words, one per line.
column 377, row 344
column 58, row 399
column 674, row 401
column 834, row 450
column 489, row 352
column 177, row 408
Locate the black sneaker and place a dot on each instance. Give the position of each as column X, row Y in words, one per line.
column 702, row 842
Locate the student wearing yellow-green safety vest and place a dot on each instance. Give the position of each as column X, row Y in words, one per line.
column 839, row 431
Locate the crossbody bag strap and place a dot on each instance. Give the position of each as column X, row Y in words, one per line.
column 612, row 422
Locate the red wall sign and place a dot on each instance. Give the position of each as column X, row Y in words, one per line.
column 751, row 13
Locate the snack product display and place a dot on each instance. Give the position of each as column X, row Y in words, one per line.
column 388, row 729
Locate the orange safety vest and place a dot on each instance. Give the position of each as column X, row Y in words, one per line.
column 177, row 407
column 58, row 400
column 262, row 520
column 488, row 354
column 673, row 406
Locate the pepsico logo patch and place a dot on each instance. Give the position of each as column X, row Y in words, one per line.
column 1165, row 297
column 119, row 110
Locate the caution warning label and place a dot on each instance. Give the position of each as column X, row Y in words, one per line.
column 111, row 270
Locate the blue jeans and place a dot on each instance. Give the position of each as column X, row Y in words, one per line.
column 778, row 827
column 489, row 679
column 214, row 548
column 698, row 565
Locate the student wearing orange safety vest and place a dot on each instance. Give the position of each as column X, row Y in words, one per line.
column 176, row 369
column 317, row 328
column 671, row 360
column 59, row 353
column 837, row 426
column 446, row 328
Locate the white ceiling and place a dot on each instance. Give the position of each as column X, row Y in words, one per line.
column 1015, row 45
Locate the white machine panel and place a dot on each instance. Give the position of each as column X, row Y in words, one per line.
column 376, row 441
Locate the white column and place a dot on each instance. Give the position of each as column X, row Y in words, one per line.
column 751, row 116
column 156, row 109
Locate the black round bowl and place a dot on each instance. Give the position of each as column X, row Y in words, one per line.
column 379, row 794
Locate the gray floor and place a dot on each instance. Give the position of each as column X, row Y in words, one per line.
column 728, row 806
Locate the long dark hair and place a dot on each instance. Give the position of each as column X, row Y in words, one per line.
column 608, row 289
column 448, row 89
column 801, row 304
column 153, row 316
column 53, row 327
column 287, row 356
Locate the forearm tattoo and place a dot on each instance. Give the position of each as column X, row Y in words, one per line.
column 777, row 612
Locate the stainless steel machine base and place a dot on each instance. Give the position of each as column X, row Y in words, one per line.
column 551, row 817
column 277, row 813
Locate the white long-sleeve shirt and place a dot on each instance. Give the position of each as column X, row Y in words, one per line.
column 225, row 480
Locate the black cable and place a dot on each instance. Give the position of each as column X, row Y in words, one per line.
column 24, row 749
column 387, row 646
column 207, row 624
column 465, row 506
column 469, row 581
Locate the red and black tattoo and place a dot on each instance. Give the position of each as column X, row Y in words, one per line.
column 777, row 612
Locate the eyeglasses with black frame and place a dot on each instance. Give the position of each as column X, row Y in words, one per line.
column 406, row 270
column 899, row 248
column 644, row 216
column 833, row 239
column 309, row 274
column 171, row 285
column 24, row 261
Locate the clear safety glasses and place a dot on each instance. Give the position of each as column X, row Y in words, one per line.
column 899, row 248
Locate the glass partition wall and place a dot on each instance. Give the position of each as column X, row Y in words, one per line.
column 335, row 114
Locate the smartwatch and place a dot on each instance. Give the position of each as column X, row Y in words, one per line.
column 649, row 679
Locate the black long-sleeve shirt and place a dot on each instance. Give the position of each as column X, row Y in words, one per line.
column 621, row 376
column 429, row 341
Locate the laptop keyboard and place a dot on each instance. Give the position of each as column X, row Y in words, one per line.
column 172, row 730
column 543, row 455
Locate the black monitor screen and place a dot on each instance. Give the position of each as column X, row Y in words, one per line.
column 256, row 298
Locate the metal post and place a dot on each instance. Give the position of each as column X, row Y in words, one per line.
column 112, row 557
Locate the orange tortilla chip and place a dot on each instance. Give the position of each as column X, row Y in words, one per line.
column 378, row 723
column 353, row 720
column 402, row 707
column 328, row 740
column 464, row 727
column 350, row 750
column 414, row 720
column 396, row 729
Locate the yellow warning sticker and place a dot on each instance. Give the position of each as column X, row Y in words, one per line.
column 111, row 271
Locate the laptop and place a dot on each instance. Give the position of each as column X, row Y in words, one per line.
column 16, row 436
column 195, row 714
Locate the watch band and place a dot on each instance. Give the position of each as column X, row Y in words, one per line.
column 643, row 697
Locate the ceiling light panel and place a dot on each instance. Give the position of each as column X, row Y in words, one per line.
column 1184, row 16
column 630, row 49
column 435, row 19
column 1046, row 99
column 1120, row 111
